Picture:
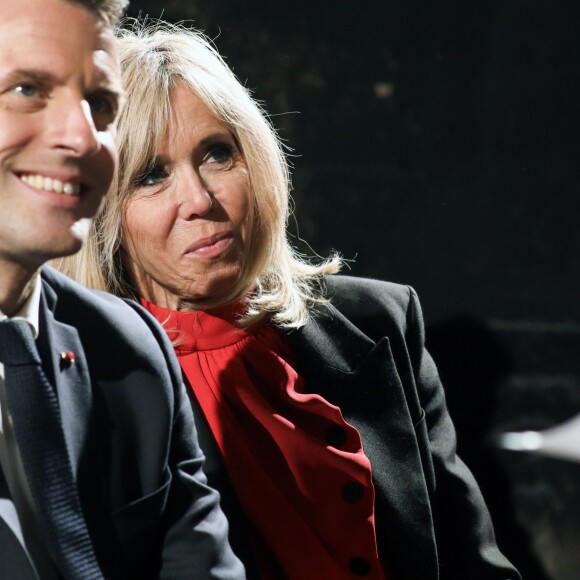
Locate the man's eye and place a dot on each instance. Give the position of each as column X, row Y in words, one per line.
column 27, row 90
column 102, row 105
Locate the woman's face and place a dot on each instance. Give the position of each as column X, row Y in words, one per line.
column 187, row 223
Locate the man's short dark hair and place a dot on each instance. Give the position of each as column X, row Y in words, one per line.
column 108, row 11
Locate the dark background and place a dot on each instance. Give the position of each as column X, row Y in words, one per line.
column 435, row 144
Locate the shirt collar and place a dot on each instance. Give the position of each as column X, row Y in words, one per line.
column 31, row 307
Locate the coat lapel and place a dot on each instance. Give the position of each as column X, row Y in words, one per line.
column 71, row 379
column 358, row 375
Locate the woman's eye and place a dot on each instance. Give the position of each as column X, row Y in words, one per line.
column 221, row 153
column 152, row 176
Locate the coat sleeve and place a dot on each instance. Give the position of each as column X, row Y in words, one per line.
column 195, row 543
column 464, row 534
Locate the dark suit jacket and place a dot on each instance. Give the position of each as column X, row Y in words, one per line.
column 129, row 432
column 364, row 352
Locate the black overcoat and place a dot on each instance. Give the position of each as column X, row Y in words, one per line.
column 364, row 352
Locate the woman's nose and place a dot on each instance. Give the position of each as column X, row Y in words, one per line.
column 193, row 197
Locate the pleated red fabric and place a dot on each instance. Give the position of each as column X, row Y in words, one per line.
column 298, row 468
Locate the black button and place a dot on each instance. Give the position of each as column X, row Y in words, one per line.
column 353, row 492
column 360, row 566
column 336, row 436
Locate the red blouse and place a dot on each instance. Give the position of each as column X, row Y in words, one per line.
column 298, row 469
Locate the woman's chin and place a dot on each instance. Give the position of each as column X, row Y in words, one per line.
column 218, row 294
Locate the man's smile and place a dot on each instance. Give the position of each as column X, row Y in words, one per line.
column 49, row 184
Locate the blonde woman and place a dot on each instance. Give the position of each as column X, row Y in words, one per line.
column 323, row 418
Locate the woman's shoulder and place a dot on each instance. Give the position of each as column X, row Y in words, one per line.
column 371, row 304
column 367, row 293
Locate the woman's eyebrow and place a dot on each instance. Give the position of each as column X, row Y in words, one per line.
column 217, row 136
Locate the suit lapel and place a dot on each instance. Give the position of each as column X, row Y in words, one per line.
column 359, row 376
column 15, row 562
column 70, row 379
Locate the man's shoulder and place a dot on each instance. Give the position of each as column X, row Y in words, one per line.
column 98, row 314
column 60, row 289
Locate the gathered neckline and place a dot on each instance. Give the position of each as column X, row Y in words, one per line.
column 196, row 330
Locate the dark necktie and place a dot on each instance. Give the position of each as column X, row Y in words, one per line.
column 38, row 431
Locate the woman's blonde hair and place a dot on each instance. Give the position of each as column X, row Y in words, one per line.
column 154, row 59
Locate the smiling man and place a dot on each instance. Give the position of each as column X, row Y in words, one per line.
column 100, row 467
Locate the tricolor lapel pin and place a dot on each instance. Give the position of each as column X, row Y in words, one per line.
column 67, row 358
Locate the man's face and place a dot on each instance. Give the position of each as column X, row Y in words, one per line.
column 59, row 96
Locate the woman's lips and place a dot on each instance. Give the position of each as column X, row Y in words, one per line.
column 210, row 246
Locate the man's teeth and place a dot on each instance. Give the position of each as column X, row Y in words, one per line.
column 49, row 184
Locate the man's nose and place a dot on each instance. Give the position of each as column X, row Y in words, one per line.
column 73, row 129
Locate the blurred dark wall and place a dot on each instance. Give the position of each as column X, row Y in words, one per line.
column 435, row 144
column 439, row 136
